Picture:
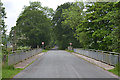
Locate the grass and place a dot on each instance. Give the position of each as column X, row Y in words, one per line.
column 9, row 71
column 44, row 50
column 116, row 70
column 69, row 50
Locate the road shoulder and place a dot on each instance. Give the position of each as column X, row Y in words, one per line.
column 100, row 64
column 93, row 61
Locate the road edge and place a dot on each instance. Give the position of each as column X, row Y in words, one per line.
column 74, row 53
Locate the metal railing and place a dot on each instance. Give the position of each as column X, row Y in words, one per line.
column 107, row 57
column 17, row 57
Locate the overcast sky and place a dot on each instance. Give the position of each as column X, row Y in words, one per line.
column 14, row 7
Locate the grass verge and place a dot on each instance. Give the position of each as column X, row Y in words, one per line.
column 69, row 50
column 9, row 71
column 116, row 70
column 44, row 50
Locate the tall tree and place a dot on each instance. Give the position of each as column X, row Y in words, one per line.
column 33, row 25
column 63, row 33
column 95, row 27
column 114, row 19
column 73, row 17
column 3, row 27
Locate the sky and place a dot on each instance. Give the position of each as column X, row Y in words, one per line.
column 13, row 9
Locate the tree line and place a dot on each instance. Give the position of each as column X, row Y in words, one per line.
column 85, row 25
column 33, row 26
column 91, row 25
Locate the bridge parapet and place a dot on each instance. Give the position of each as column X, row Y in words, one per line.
column 17, row 57
column 111, row 58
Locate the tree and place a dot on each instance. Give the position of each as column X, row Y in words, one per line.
column 73, row 15
column 33, row 25
column 63, row 33
column 114, row 18
column 96, row 27
column 13, row 38
column 3, row 27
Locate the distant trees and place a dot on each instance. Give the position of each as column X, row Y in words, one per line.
column 98, row 27
column 33, row 25
column 64, row 34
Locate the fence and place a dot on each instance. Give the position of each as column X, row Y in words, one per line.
column 110, row 58
column 17, row 57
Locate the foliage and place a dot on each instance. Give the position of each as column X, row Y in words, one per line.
column 114, row 18
column 9, row 71
column 63, row 32
column 116, row 70
column 73, row 15
column 23, row 48
column 96, row 28
column 100, row 27
column 3, row 28
column 33, row 25
column 69, row 51
column 44, row 50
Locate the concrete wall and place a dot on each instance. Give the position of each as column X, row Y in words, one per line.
column 110, row 58
column 17, row 57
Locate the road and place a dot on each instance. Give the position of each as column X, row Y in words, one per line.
column 62, row 64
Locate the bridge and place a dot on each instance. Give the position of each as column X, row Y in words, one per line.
column 63, row 64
